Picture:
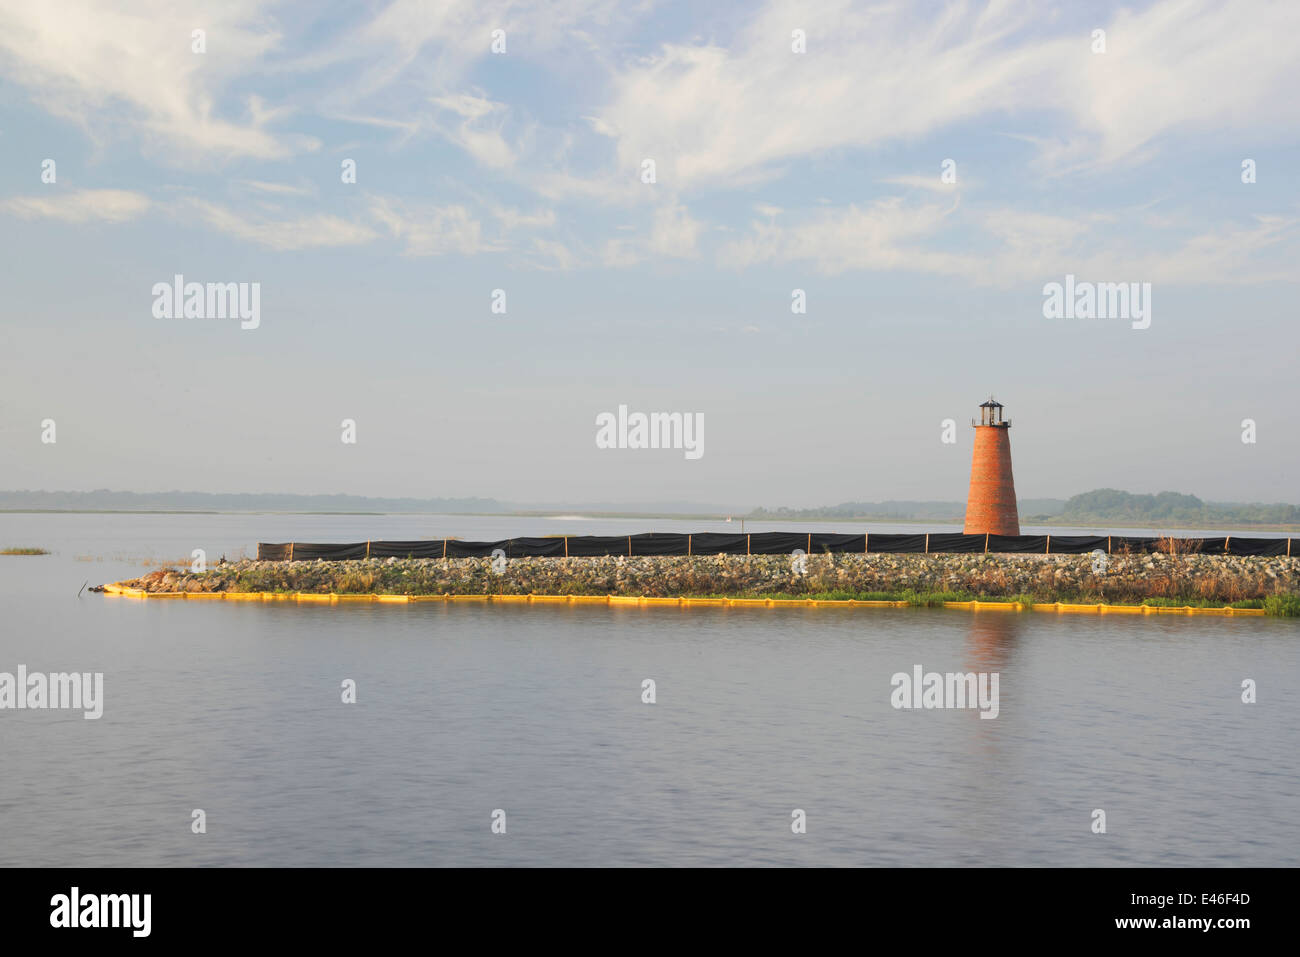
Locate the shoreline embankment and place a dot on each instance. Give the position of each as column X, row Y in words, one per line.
column 1256, row 583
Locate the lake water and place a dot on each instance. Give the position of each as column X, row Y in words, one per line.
column 462, row 710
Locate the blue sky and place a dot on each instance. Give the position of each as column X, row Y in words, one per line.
column 521, row 171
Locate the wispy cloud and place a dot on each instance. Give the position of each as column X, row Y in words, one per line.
column 1008, row 246
column 477, row 129
column 131, row 69
column 313, row 231
column 430, row 230
column 275, row 189
column 727, row 116
column 887, row 234
column 718, row 110
column 79, row 206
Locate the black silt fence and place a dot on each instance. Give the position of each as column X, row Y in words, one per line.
column 764, row 543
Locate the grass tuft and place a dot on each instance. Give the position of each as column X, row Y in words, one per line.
column 1282, row 606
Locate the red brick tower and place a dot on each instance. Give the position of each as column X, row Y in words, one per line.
column 991, row 504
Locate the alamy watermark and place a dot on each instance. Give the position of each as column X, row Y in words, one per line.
column 654, row 430
column 179, row 299
column 953, row 690
column 38, row 691
column 1098, row 300
column 76, row 909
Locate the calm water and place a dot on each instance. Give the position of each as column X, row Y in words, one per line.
column 462, row 710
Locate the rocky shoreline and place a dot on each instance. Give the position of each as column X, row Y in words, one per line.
column 1046, row 578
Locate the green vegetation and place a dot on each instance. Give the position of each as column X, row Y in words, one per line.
column 1202, row 603
column 1111, row 506
column 23, row 551
column 1274, row 605
column 1282, row 606
column 914, row 598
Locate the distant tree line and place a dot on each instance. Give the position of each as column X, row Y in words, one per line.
column 1100, row 506
column 1112, row 505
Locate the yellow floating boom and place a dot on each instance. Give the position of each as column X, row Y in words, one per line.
column 1062, row 608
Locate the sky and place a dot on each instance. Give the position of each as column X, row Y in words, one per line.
column 920, row 171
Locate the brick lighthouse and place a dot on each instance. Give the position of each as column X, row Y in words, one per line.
column 991, row 504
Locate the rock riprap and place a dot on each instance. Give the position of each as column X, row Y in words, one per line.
column 1041, row 577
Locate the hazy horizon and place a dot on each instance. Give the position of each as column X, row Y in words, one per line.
column 25, row 499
